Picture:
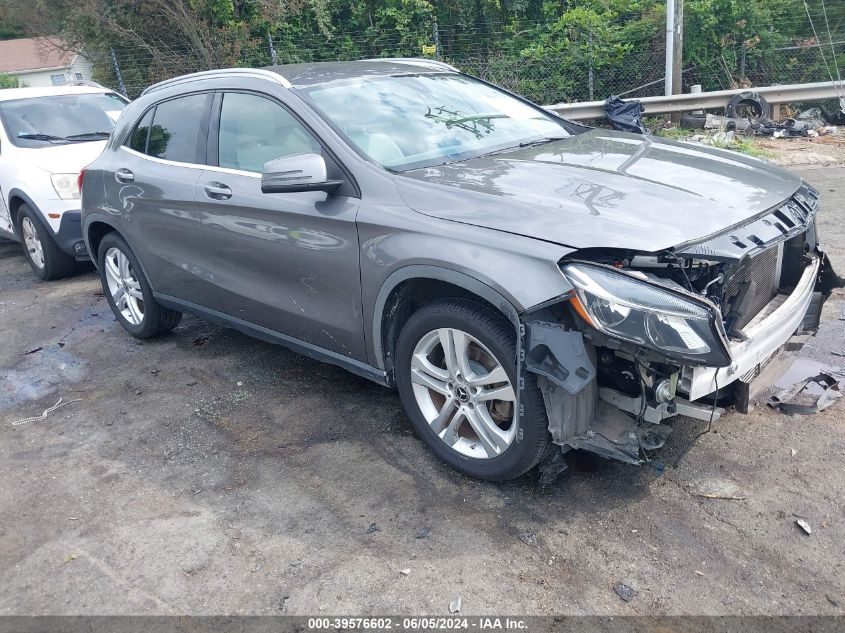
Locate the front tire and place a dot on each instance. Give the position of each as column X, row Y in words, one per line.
column 45, row 257
column 456, row 374
column 128, row 291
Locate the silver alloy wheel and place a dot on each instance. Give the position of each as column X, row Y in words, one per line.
column 124, row 287
column 464, row 393
column 32, row 243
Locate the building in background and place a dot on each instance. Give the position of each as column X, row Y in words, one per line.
column 39, row 61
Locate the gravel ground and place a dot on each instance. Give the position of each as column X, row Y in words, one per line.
column 209, row 473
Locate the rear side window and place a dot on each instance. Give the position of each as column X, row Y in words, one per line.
column 178, row 129
column 138, row 138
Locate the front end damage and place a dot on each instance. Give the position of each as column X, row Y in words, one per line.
column 643, row 337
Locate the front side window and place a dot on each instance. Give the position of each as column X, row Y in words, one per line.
column 175, row 133
column 58, row 80
column 417, row 120
column 60, row 119
column 255, row 130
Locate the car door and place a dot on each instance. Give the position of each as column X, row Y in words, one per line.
column 153, row 181
column 284, row 261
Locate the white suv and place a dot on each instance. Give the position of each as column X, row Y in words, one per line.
column 47, row 136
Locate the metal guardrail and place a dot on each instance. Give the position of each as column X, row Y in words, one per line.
column 775, row 95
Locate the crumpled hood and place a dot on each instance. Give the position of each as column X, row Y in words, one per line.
column 63, row 159
column 602, row 189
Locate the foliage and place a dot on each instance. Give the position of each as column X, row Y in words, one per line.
column 9, row 81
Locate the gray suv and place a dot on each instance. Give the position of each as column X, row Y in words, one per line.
column 526, row 283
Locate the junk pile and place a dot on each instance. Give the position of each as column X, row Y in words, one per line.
column 749, row 113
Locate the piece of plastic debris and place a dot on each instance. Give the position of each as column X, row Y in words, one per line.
column 455, row 605
column 698, row 572
column 551, row 468
column 70, row 557
column 529, row 538
column 624, row 591
column 240, row 384
column 46, row 412
column 806, row 388
column 423, row 532
column 372, row 528
column 793, row 452
column 405, row 572
column 804, row 525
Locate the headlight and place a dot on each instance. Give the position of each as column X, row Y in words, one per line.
column 643, row 313
column 65, row 185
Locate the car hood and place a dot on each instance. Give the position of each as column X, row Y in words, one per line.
column 62, row 159
column 602, row 189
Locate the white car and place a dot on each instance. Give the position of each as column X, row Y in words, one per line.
column 47, row 136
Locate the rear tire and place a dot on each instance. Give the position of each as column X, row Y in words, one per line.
column 45, row 257
column 128, row 291
column 453, row 411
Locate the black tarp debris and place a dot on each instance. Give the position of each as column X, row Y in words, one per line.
column 626, row 116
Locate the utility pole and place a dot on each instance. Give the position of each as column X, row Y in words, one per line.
column 674, row 47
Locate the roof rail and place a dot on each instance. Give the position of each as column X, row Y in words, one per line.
column 222, row 72
column 415, row 60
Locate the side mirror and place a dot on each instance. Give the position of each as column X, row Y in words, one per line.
column 291, row 174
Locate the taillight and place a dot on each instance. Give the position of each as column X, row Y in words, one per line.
column 79, row 180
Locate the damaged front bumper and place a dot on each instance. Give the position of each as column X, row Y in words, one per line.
column 585, row 414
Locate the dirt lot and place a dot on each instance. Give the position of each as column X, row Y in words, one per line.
column 211, row 473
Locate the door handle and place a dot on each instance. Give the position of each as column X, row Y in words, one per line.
column 124, row 175
column 218, row 191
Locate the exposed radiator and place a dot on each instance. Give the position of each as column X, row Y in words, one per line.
column 744, row 299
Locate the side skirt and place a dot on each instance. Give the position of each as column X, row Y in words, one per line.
column 271, row 336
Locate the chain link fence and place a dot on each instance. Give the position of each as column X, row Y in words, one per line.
column 530, row 59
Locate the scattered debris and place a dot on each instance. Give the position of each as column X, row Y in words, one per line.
column 295, row 563
column 718, row 488
column 455, row 605
column 70, row 557
column 240, row 383
column 405, row 572
column 46, row 412
column 200, row 340
column 373, row 528
column 423, row 532
column 283, row 602
column 154, row 371
column 529, row 538
column 624, row 591
column 831, row 600
column 550, row 469
column 804, row 525
column 626, row 116
column 32, row 351
column 806, row 388
column 793, row 452
column 698, row 572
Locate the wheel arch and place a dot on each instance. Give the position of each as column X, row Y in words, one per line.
column 95, row 227
column 18, row 198
column 411, row 287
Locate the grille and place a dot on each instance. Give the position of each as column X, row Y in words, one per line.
column 762, row 271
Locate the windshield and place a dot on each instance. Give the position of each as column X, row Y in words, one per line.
column 411, row 121
column 61, row 119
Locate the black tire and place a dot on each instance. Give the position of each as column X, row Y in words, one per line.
column 497, row 334
column 57, row 264
column 157, row 319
